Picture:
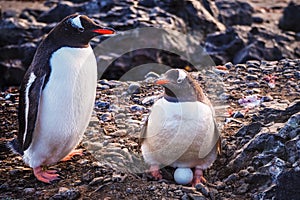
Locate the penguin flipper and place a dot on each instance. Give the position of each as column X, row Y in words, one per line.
column 143, row 134
column 30, row 94
column 219, row 142
column 214, row 147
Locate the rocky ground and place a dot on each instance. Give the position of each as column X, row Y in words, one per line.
column 261, row 146
column 257, row 103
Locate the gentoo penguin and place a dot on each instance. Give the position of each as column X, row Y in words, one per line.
column 57, row 95
column 180, row 130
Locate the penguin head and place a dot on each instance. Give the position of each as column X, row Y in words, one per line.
column 178, row 84
column 78, row 30
column 173, row 78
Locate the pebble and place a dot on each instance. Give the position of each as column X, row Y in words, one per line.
column 185, row 197
column 253, row 63
column 197, row 197
column 151, row 187
column 238, row 114
column 202, row 188
column 7, row 97
column 228, row 65
column 102, row 104
column 93, row 146
column 231, row 178
column 252, row 73
column 178, row 192
column 297, row 74
column 288, row 75
column 257, row 179
column 220, row 185
column 62, row 189
column 104, row 82
column 258, row 20
column 150, row 100
column 83, row 161
column 224, row 96
column 134, row 88
column 220, row 72
column 96, row 181
column 243, row 173
column 29, row 191
column 106, row 117
column 253, row 84
column 242, row 189
column 266, row 98
column 251, row 77
column 119, row 177
column 297, row 36
column 4, row 186
column 103, row 87
column 119, row 133
column 129, row 190
column 65, row 193
column 14, row 172
column 137, row 108
column 120, row 116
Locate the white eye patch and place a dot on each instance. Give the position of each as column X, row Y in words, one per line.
column 76, row 23
column 181, row 76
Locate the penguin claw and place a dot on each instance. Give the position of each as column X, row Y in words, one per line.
column 198, row 177
column 45, row 176
column 155, row 172
column 197, row 180
column 76, row 152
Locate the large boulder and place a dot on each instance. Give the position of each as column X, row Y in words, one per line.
column 18, row 31
column 234, row 12
column 291, row 17
column 222, row 46
column 257, row 51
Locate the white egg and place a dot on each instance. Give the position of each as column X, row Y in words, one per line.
column 183, row 176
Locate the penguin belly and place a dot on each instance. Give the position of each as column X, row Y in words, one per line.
column 179, row 134
column 65, row 107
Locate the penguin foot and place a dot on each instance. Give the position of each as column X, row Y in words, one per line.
column 155, row 172
column 75, row 152
column 198, row 177
column 45, row 176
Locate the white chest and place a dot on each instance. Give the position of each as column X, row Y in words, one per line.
column 182, row 118
column 70, row 92
column 73, row 78
column 177, row 130
column 66, row 105
column 70, row 65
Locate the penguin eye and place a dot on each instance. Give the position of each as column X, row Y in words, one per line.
column 80, row 29
column 179, row 80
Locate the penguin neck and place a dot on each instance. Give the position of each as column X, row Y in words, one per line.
column 171, row 99
column 183, row 96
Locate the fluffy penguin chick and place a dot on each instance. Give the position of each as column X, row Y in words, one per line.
column 57, row 95
column 180, row 130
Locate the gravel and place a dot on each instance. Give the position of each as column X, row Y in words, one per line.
column 260, row 148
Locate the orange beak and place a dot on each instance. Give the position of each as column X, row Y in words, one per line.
column 105, row 31
column 162, row 81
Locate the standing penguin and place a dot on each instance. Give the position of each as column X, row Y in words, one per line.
column 57, row 95
column 181, row 130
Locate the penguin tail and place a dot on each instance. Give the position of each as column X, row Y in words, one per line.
column 15, row 147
